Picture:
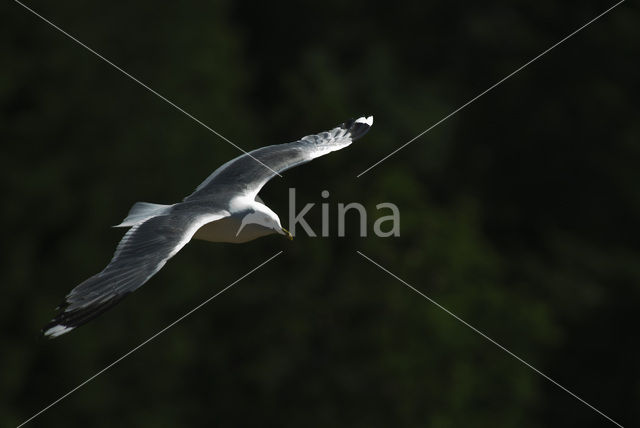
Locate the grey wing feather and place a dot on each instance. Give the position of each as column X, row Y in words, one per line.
column 249, row 172
column 142, row 252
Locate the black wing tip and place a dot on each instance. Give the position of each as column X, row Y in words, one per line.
column 57, row 326
column 67, row 319
column 358, row 127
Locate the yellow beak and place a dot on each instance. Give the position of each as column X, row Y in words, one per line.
column 288, row 234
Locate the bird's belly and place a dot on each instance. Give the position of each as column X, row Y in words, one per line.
column 226, row 230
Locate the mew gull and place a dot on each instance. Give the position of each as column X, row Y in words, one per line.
column 224, row 208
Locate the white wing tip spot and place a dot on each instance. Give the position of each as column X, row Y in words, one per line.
column 57, row 330
column 367, row 120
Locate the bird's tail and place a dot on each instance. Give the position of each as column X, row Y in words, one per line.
column 142, row 211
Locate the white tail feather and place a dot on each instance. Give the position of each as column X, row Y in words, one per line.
column 142, row 211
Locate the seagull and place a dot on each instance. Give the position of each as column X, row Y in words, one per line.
column 224, row 208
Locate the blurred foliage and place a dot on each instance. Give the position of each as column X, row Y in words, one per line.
column 519, row 213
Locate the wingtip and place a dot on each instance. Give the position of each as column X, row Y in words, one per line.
column 365, row 119
column 56, row 330
column 357, row 128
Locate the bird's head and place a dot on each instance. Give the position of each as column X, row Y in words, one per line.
column 265, row 217
column 277, row 227
column 273, row 221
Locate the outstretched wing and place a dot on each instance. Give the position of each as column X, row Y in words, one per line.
column 142, row 252
column 249, row 172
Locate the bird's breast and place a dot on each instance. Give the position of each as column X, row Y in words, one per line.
column 226, row 230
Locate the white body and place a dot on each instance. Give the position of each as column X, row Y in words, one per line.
column 251, row 220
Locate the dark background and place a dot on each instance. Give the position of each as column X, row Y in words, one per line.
column 519, row 214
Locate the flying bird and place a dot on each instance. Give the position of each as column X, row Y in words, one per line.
column 223, row 208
